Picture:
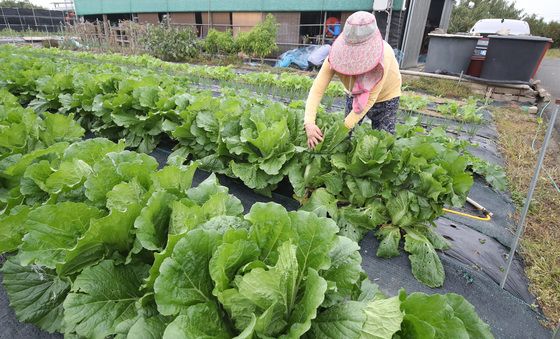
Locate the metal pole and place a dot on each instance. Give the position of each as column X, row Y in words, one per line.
column 20, row 22
column 210, row 21
column 324, row 27
column 34, row 17
column 521, row 224
column 5, row 19
column 389, row 17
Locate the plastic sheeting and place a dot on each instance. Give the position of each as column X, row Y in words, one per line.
column 508, row 316
column 296, row 56
column 501, row 225
column 484, row 254
column 319, row 55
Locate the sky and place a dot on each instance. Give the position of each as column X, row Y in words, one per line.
column 548, row 9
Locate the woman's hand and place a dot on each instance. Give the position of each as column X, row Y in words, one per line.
column 314, row 135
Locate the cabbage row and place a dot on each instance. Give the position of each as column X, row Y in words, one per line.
column 103, row 243
column 284, row 84
column 396, row 185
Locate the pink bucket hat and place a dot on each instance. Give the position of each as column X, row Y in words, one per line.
column 359, row 49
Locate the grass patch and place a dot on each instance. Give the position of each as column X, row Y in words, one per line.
column 540, row 243
column 216, row 60
column 553, row 53
column 438, row 87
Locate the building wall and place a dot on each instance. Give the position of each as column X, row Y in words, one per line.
column 86, row 7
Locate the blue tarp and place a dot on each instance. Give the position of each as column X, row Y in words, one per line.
column 297, row 56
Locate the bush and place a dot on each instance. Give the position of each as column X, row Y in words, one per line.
column 217, row 42
column 171, row 43
column 261, row 40
column 243, row 43
column 258, row 42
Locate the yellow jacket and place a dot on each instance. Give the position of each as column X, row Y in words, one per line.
column 388, row 88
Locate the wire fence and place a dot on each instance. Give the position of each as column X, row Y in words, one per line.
column 126, row 36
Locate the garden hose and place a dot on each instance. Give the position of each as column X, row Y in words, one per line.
column 486, row 217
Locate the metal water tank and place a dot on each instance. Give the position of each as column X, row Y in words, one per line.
column 450, row 53
column 514, row 58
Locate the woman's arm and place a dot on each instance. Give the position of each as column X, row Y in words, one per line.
column 316, row 92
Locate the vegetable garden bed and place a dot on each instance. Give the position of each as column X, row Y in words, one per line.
column 401, row 183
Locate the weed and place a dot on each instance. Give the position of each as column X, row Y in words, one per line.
column 542, row 234
column 553, row 53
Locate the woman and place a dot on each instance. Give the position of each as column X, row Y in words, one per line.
column 368, row 69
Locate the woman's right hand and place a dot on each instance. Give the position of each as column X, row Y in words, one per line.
column 314, row 135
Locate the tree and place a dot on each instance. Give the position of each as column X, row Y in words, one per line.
column 19, row 4
column 464, row 17
column 542, row 28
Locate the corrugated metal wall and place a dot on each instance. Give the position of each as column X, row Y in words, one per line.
column 182, row 18
column 221, row 21
column 148, row 18
column 87, row 7
column 244, row 21
column 288, row 29
column 414, row 32
column 446, row 14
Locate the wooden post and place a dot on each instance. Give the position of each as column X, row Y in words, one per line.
column 106, row 26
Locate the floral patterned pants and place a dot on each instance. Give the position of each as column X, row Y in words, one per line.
column 383, row 115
